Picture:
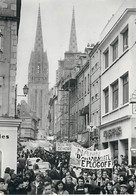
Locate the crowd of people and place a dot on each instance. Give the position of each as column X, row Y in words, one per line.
column 62, row 179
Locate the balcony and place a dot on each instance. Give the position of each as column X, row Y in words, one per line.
column 69, row 82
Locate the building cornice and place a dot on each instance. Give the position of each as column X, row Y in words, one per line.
column 116, row 23
column 7, row 122
column 115, row 121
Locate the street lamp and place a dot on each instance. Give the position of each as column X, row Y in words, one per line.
column 25, row 91
column 90, row 130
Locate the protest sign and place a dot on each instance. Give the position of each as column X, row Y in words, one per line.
column 84, row 158
column 63, row 146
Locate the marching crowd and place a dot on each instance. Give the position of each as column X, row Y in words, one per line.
column 63, row 179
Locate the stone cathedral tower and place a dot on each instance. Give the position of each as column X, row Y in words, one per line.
column 38, row 78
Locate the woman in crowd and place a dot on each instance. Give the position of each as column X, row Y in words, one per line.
column 60, row 188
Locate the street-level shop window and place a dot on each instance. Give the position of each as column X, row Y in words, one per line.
column 125, row 88
column 115, row 49
column 106, row 93
column 115, row 95
column 106, row 58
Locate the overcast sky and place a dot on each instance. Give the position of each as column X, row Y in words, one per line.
column 91, row 16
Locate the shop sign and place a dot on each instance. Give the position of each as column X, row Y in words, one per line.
column 112, row 132
column 3, row 136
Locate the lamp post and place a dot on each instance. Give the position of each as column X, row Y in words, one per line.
column 25, row 91
column 90, row 130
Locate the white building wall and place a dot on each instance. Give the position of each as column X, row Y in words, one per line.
column 122, row 116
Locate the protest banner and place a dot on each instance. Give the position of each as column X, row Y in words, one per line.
column 63, row 146
column 84, row 158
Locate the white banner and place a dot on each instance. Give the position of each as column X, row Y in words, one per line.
column 63, row 146
column 84, row 158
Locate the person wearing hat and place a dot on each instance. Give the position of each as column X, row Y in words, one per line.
column 123, row 189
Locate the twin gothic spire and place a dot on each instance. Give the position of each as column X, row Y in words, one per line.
column 39, row 39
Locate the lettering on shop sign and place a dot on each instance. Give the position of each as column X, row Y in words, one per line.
column 112, row 132
column 4, row 136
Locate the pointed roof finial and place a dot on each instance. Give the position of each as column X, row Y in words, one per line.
column 73, row 40
column 38, row 39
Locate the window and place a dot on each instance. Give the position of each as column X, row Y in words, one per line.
column 115, row 95
column 106, row 58
column 79, row 90
column 125, row 40
column 82, row 88
column 85, row 85
column 115, row 50
column 106, row 93
column 125, row 89
column 88, row 83
column 38, row 68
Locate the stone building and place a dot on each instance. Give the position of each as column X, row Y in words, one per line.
column 9, row 26
column 38, row 80
column 29, row 126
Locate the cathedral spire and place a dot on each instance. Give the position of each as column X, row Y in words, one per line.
column 38, row 39
column 73, row 41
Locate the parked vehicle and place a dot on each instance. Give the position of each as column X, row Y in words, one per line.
column 43, row 166
column 32, row 161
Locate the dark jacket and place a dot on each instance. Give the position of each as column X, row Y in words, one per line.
column 79, row 190
column 70, row 188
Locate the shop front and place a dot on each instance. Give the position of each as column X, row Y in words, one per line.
column 8, row 144
column 118, row 136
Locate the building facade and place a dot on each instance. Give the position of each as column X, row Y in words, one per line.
column 38, row 81
column 9, row 26
column 118, row 67
column 95, row 95
column 29, row 127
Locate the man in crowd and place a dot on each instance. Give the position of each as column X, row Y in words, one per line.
column 48, row 190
